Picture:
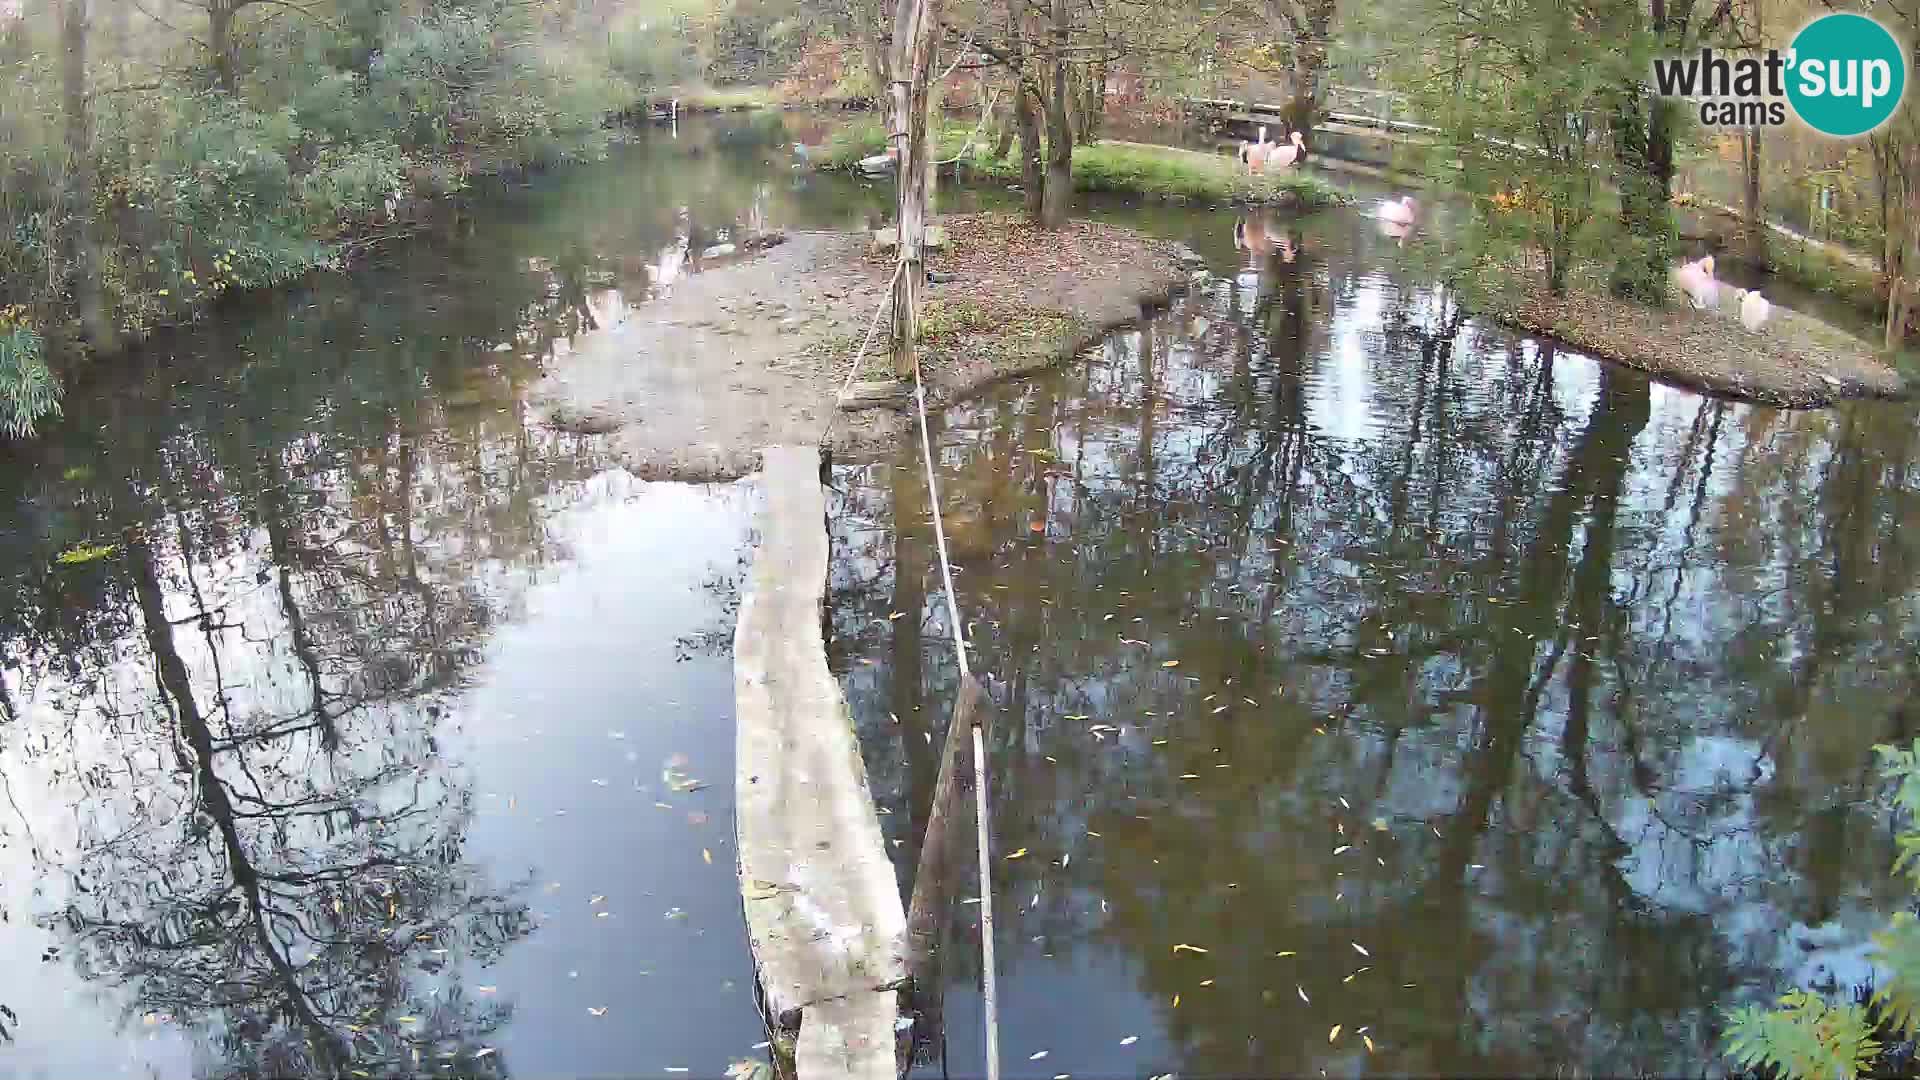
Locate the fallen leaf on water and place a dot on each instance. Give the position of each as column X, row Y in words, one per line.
column 1176, row 1001
column 1206, row 982
column 1129, row 1040
column 1018, row 854
column 1334, row 1034
column 1289, row 952
column 1188, row 948
column 597, row 1012
column 707, row 855
column 1369, row 1043
column 1171, row 663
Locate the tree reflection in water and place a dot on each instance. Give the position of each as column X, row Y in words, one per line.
column 1551, row 688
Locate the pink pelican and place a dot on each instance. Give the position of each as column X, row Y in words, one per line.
column 1696, row 280
column 1286, row 155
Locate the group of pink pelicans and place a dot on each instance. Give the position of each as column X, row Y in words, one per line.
column 1694, row 280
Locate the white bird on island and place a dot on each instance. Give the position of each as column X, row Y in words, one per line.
column 1754, row 309
column 1285, row 156
column 1398, row 211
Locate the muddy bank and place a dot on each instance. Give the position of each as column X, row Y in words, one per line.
column 1792, row 361
column 737, row 357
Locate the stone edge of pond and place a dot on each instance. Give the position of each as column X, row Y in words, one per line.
column 1711, row 354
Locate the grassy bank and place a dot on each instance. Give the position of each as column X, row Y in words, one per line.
column 1155, row 172
column 718, row 99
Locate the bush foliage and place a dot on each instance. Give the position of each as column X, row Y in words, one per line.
column 1805, row 1037
column 337, row 121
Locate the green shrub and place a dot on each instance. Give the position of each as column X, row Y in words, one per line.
column 28, row 390
column 1804, row 1037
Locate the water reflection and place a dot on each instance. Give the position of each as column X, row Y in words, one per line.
column 276, row 604
column 1502, row 707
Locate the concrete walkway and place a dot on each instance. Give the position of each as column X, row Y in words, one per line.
column 824, row 916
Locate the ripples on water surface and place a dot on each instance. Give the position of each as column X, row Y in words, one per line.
column 1524, row 705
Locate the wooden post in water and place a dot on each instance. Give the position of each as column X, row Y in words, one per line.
column 933, row 877
column 913, row 22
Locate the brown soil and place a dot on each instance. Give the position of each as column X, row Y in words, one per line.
column 1792, row 361
column 754, row 353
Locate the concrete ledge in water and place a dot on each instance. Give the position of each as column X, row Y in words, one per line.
column 824, row 916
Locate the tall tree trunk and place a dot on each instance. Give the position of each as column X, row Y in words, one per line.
column 1033, row 177
column 1309, row 66
column 876, row 61
column 1003, row 127
column 1903, row 242
column 1093, row 104
column 80, row 241
column 1640, row 266
column 912, row 57
column 1059, row 194
column 1756, row 213
column 220, row 43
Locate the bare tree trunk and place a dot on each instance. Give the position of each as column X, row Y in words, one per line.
column 1903, row 244
column 1058, row 199
column 80, row 240
column 912, row 57
column 1756, row 214
column 876, row 60
column 1033, row 176
column 1093, row 108
column 220, row 43
column 1003, row 128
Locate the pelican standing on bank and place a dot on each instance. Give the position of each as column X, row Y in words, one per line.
column 1288, row 153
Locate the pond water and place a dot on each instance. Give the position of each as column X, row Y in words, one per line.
column 1352, row 663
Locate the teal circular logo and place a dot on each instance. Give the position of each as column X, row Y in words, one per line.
column 1845, row 75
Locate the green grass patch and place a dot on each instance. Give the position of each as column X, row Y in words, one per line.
column 81, row 554
column 731, row 99
column 1155, row 172
column 867, row 136
column 1175, row 175
column 1009, row 338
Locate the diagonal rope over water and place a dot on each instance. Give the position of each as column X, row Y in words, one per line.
column 989, row 983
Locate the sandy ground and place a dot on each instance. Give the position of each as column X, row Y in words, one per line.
column 753, row 353
column 1792, row 361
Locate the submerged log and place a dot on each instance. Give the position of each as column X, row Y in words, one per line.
column 933, row 878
